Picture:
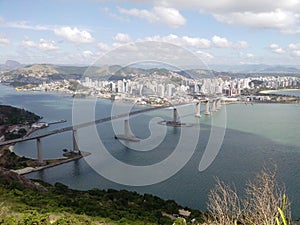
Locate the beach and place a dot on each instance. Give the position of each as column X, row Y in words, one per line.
column 273, row 91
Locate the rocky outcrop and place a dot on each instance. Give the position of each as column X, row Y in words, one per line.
column 10, row 177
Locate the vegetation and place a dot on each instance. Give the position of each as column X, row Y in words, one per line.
column 17, row 134
column 10, row 160
column 27, row 202
column 265, row 203
column 10, row 115
column 61, row 205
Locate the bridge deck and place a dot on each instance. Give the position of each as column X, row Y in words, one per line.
column 75, row 127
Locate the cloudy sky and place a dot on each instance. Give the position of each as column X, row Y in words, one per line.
column 229, row 32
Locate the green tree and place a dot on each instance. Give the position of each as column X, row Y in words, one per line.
column 179, row 221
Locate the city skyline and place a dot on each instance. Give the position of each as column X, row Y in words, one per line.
column 229, row 32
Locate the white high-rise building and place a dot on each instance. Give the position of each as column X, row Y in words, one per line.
column 161, row 90
column 170, row 90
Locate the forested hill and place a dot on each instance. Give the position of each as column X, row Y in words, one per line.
column 10, row 116
column 25, row 202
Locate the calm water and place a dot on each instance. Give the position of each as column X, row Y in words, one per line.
column 288, row 92
column 255, row 134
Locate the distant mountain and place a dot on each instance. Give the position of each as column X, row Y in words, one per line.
column 38, row 73
column 282, row 69
column 260, row 68
column 10, row 65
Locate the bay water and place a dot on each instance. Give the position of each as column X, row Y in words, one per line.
column 255, row 135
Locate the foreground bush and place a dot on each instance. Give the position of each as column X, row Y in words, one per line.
column 265, row 203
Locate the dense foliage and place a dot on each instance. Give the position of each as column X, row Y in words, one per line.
column 10, row 115
column 61, row 205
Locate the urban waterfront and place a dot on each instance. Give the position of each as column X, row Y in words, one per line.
column 255, row 134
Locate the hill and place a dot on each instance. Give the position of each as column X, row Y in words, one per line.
column 27, row 202
column 10, row 65
column 39, row 73
column 11, row 115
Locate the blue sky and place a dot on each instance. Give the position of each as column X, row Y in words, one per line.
column 230, row 32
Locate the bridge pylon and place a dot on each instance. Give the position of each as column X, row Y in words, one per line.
column 198, row 106
column 127, row 136
column 39, row 151
column 207, row 112
column 175, row 115
column 219, row 104
column 213, row 106
column 75, row 142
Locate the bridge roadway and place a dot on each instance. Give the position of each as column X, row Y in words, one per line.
column 76, row 127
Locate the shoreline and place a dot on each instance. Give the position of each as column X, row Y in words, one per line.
column 28, row 170
column 277, row 90
column 66, row 94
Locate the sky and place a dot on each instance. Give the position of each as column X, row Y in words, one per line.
column 219, row 32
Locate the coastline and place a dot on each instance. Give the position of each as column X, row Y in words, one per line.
column 273, row 91
column 55, row 162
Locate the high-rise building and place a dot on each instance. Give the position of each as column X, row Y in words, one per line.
column 161, row 90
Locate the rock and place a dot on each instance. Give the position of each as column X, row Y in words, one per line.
column 7, row 177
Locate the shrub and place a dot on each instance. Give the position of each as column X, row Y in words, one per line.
column 265, row 202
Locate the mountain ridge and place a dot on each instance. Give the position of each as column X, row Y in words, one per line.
column 39, row 73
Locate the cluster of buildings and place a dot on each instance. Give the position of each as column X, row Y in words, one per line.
column 164, row 87
column 19, row 130
column 62, row 86
column 158, row 89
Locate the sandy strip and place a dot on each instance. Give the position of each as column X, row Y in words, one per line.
column 273, row 91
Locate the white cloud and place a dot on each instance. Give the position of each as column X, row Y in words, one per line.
column 22, row 25
column 43, row 44
column 276, row 49
column 294, row 49
column 87, row 54
column 47, row 44
column 28, row 43
column 170, row 16
column 280, row 14
column 229, row 5
column 271, row 19
column 205, row 55
column 107, row 11
column 296, row 53
column 249, row 55
column 294, row 46
column 158, row 14
column 220, row 42
column 26, row 25
column 196, row 42
column 242, row 44
column 3, row 39
column 103, row 47
column 141, row 13
column 122, row 38
column 74, row 35
column 181, row 41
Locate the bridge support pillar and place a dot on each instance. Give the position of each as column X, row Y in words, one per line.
column 175, row 116
column 219, row 104
column 198, row 105
column 39, row 151
column 213, row 106
column 207, row 108
column 126, row 128
column 75, row 143
column 127, row 136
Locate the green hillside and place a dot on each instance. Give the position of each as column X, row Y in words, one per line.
column 26, row 202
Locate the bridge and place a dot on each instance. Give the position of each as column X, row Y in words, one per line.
column 211, row 105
